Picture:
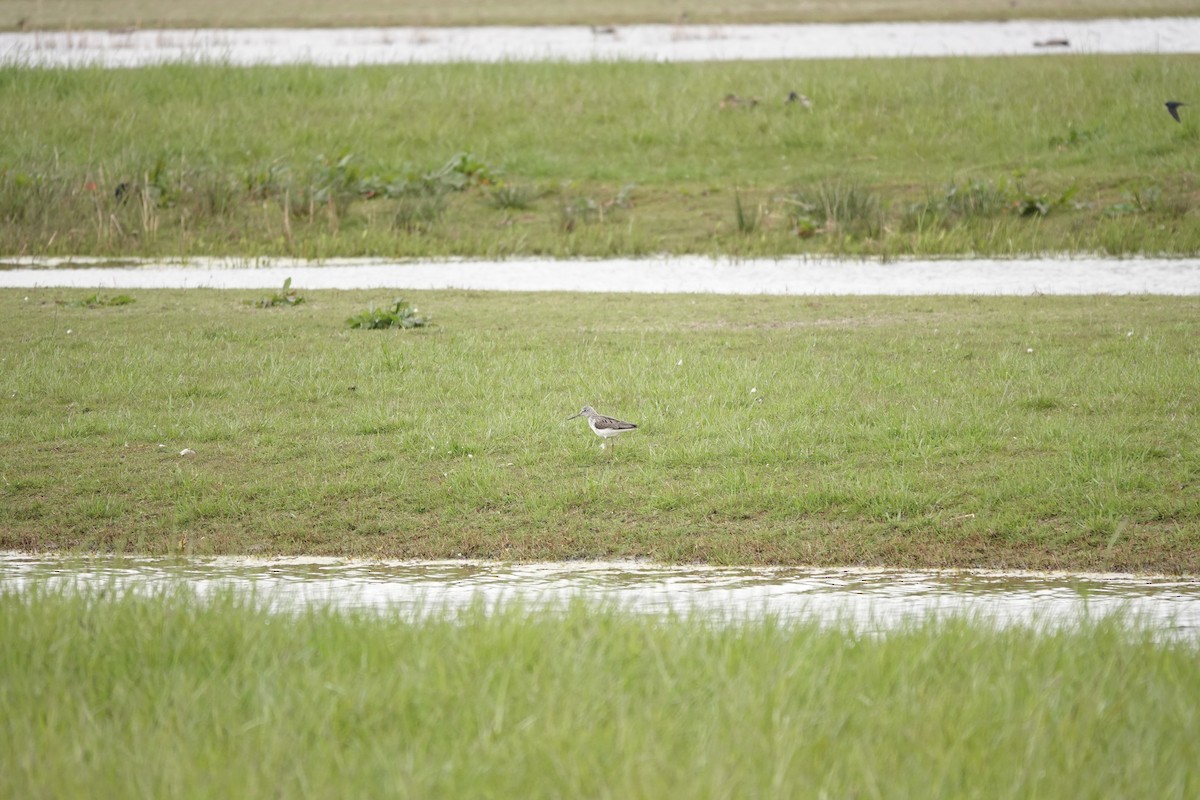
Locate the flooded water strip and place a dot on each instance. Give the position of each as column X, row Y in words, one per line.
column 801, row 276
column 863, row 598
column 674, row 43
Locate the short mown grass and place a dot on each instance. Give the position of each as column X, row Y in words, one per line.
column 923, row 156
column 1032, row 432
column 116, row 694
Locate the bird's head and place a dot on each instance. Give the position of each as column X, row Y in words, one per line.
column 586, row 410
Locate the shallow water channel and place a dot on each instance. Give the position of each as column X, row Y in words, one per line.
column 344, row 46
column 1079, row 275
column 864, row 598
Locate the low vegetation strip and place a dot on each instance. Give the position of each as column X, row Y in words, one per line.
column 1033, row 432
column 880, row 158
column 169, row 695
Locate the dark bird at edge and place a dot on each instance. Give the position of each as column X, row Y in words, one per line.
column 1173, row 108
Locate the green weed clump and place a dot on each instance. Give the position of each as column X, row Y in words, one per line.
column 398, row 315
column 114, row 688
column 588, row 210
column 512, row 196
column 417, row 210
column 419, row 197
column 961, row 204
column 97, row 300
column 745, row 218
column 1039, row 205
column 836, row 208
column 286, row 296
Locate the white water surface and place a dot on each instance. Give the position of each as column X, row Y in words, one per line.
column 865, row 598
column 683, row 274
column 347, row 46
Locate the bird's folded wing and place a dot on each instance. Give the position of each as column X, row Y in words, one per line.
column 610, row 424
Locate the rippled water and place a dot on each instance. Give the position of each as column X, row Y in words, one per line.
column 795, row 276
column 866, row 597
column 579, row 43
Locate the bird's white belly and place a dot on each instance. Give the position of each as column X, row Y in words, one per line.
column 604, row 432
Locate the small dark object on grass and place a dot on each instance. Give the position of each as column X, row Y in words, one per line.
column 734, row 101
column 399, row 315
column 803, row 100
column 1173, row 108
column 121, row 192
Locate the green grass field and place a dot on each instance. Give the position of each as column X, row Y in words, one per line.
column 1030, row 432
column 122, row 14
column 115, row 695
column 982, row 156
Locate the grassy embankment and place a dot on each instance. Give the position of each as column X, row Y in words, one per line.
column 122, row 14
column 1023, row 432
column 990, row 156
column 114, row 695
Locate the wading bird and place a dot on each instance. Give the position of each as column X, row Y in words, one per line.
column 602, row 426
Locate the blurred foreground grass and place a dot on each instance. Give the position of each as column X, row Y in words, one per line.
column 112, row 693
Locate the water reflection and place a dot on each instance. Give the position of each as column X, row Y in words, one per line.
column 865, row 597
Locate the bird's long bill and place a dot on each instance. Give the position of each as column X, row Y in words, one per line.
column 573, row 416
